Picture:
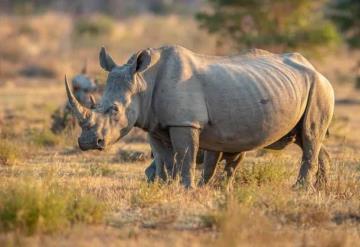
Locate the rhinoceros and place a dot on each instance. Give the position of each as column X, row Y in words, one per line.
column 83, row 87
column 232, row 104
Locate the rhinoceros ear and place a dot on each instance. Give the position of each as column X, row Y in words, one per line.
column 106, row 62
column 142, row 62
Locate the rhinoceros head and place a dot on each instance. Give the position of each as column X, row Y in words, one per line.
column 118, row 109
column 83, row 87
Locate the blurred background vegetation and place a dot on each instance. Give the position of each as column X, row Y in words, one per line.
column 68, row 28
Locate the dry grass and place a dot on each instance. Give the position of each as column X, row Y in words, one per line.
column 31, row 206
column 38, row 194
column 52, row 194
column 9, row 153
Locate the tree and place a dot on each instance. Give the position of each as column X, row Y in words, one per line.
column 270, row 24
column 346, row 14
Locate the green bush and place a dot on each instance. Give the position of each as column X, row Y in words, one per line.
column 260, row 174
column 276, row 25
column 357, row 82
column 34, row 207
column 213, row 220
column 94, row 25
column 147, row 194
column 98, row 170
column 44, row 138
column 9, row 153
column 26, row 29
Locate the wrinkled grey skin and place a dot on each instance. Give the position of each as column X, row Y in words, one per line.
column 83, row 88
column 211, row 159
column 186, row 101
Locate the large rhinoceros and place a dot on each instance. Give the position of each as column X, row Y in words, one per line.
column 231, row 104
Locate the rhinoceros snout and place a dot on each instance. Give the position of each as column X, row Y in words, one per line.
column 94, row 143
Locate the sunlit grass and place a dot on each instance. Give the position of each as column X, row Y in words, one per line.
column 32, row 206
column 10, row 153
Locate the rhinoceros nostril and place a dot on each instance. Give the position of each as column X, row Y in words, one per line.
column 100, row 142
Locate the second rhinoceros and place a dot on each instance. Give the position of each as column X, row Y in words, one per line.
column 83, row 87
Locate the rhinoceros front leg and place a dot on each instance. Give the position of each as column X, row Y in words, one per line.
column 185, row 144
column 163, row 159
column 150, row 172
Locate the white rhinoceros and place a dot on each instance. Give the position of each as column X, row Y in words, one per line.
column 83, row 88
column 231, row 104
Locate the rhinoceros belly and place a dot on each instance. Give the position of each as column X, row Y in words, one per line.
column 252, row 108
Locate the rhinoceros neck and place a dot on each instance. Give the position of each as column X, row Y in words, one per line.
column 144, row 98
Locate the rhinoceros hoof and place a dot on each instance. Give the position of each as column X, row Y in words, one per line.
column 150, row 173
column 303, row 185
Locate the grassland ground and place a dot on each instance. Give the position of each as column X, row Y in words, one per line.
column 55, row 195
column 52, row 194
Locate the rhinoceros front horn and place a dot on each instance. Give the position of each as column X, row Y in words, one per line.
column 81, row 113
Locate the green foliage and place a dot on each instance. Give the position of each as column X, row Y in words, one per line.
column 213, row 220
column 357, row 82
column 262, row 173
column 44, row 138
column 99, row 170
column 245, row 195
column 26, row 29
column 147, row 194
column 34, row 207
column 339, row 127
column 84, row 209
column 276, row 25
column 346, row 14
column 94, row 26
column 160, row 7
column 9, row 153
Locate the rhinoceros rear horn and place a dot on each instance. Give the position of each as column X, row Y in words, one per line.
column 92, row 102
column 106, row 62
column 84, row 69
column 81, row 113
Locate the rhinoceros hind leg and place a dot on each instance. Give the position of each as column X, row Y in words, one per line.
column 232, row 164
column 211, row 159
column 308, row 166
column 324, row 166
column 316, row 121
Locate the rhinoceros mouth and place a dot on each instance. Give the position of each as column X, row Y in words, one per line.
column 85, row 146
